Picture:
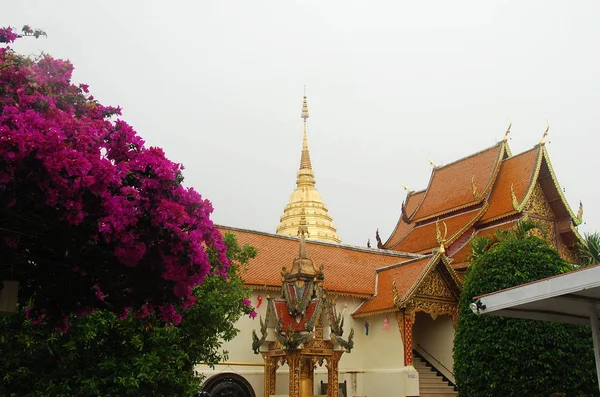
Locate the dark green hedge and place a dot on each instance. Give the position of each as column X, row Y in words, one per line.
column 495, row 356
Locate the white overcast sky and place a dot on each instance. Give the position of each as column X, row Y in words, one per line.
column 218, row 85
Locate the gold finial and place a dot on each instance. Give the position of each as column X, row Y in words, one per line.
column 406, row 188
column 580, row 212
column 507, row 130
column 513, row 196
column 543, row 140
column 476, row 196
column 431, row 161
column 441, row 240
column 304, row 113
column 305, row 158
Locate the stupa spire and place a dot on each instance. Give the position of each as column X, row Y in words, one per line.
column 305, row 209
column 305, row 157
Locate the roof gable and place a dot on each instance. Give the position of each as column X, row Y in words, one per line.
column 460, row 184
column 430, row 277
column 515, row 177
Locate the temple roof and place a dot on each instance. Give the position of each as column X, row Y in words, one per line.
column 489, row 188
column 306, row 198
column 398, row 284
column 516, row 172
column 404, row 275
column 423, row 237
column 350, row 270
column 460, row 184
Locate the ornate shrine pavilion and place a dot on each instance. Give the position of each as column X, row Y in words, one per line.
column 400, row 298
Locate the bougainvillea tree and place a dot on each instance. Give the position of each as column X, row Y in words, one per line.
column 102, row 355
column 91, row 218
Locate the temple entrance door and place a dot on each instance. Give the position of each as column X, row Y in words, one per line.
column 433, row 340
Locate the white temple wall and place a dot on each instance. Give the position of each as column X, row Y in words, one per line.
column 375, row 367
column 435, row 336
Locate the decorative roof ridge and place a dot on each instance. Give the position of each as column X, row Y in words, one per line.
column 424, row 195
column 395, row 265
column 496, row 218
column 426, row 271
column 403, row 215
column 462, row 230
column 522, row 153
column 413, row 192
column 449, row 215
column 388, row 310
column 519, row 206
column 577, row 219
column 471, row 155
column 483, row 195
column 325, row 243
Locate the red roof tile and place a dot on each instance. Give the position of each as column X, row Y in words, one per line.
column 348, row 270
column 423, row 238
column 405, row 275
column 450, row 186
column 516, row 171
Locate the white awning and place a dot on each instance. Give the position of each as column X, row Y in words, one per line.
column 565, row 298
column 572, row 298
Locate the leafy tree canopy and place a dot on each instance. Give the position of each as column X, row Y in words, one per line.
column 91, row 218
column 496, row 356
column 103, row 356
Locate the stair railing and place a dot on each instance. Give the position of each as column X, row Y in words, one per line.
column 435, row 363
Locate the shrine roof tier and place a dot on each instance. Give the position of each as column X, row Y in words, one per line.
column 398, row 284
column 348, row 270
column 510, row 192
column 423, row 238
column 516, row 175
column 403, row 275
column 460, row 184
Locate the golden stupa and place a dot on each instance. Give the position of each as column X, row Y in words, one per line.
column 306, row 201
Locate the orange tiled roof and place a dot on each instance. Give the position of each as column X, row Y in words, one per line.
column 463, row 254
column 348, row 270
column 402, row 228
column 405, row 275
column 423, row 238
column 516, row 171
column 450, row 186
column 413, row 201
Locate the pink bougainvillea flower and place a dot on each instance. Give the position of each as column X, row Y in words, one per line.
column 91, row 217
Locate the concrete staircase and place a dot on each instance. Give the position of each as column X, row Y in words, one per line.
column 430, row 383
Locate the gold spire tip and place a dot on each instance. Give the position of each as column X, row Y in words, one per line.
column 431, row 161
column 304, row 113
column 543, row 140
column 508, row 130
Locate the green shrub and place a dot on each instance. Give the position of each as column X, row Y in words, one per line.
column 496, row 356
